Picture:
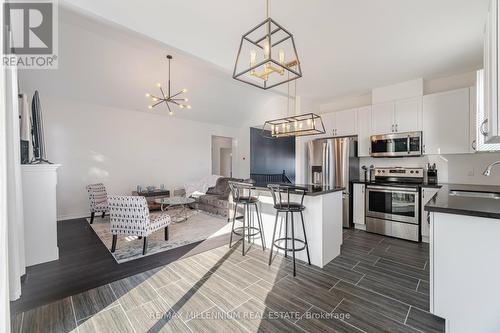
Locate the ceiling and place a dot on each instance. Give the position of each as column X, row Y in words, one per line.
column 346, row 47
column 101, row 65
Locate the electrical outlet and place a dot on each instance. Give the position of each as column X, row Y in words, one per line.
column 470, row 173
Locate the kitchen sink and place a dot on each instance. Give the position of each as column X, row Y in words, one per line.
column 472, row 194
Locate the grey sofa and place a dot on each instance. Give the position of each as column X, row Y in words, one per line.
column 216, row 200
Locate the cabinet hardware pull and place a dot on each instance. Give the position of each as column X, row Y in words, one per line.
column 482, row 129
column 474, row 145
column 396, row 127
column 392, row 128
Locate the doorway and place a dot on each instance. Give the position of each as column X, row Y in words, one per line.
column 222, row 156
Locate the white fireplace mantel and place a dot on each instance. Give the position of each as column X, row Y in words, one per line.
column 40, row 212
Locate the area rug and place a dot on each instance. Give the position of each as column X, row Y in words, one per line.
column 198, row 227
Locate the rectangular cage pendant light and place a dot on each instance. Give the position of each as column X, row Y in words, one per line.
column 297, row 125
column 267, row 56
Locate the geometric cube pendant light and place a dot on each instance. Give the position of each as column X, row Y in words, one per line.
column 295, row 125
column 267, row 56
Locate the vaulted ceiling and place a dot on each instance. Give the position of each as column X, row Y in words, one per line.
column 346, row 46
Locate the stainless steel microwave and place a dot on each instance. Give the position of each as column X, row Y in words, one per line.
column 396, row 144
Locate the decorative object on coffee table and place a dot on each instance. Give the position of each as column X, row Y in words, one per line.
column 151, row 196
column 177, row 215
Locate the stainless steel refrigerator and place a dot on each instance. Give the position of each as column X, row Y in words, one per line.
column 334, row 161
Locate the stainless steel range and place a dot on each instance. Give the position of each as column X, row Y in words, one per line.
column 392, row 202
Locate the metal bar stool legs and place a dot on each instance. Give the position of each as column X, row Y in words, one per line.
column 305, row 238
column 293, row 240
column 232, row 228
column 286, row 206
column 261, row 227
column 241, row 193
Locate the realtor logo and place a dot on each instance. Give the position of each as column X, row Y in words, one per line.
column 30, row 37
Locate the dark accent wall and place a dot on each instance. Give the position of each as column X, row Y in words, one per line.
column 272, row 156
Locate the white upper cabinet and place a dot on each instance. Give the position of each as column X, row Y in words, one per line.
column 446, row 122
column 491, row 126
column 345, row 123
column 329, row 123
column 408, row 114
column 364, row 130
column 383, row 118
column 398, row 116
column 340, row 123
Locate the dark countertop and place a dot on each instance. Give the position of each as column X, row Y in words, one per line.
column 310, row 189
column 443, row 202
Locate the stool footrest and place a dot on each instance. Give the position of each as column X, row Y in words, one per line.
column 290, row 239
column 238, row 231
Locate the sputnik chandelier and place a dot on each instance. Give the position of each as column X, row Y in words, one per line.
column 167, row 97
column 266, row 54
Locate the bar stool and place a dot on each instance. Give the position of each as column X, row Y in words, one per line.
column 242, row 195
column 284, row 205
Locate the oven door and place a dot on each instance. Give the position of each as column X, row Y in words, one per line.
column 392, row 203
column 397, row 144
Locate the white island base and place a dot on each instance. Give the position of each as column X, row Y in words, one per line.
column 323, row 224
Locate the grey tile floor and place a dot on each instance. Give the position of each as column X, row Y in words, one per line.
column 377, row 284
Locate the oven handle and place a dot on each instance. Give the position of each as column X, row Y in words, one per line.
column 391, row 189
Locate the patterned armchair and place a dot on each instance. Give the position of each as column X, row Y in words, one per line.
column 130, row 216
column 98, row 200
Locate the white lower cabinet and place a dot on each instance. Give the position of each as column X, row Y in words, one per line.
column 464, row 271
column 358, row 206
column 425, row 197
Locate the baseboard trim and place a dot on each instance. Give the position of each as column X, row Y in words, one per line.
column 72, row 216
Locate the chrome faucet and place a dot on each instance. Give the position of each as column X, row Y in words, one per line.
column 487, row 172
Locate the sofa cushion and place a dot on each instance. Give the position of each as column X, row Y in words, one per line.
column 213, row 200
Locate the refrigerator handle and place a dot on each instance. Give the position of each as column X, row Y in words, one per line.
column 325, row 162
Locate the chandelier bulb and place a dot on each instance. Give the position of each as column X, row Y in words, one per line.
column 184, row 90
column 171, row 113
column 189, row 106
column 185, row 99
column 181, row 106
column 253, row 58
column 158, row 85
column 150, row 107
column 148, row 95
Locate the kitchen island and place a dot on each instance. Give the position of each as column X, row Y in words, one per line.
column 464, row 256
column 322, row 218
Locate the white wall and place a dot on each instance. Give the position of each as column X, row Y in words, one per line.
column 219, row 142
column 124, row 148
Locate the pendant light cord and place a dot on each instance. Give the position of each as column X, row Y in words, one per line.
column 267, row 9
column 168, row 77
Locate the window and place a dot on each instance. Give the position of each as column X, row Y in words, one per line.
column 480, row 115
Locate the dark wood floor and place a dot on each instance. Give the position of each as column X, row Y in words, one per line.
column 377, row 284
column 85, row 263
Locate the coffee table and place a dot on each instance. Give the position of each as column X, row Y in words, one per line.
column 169, row 203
